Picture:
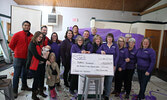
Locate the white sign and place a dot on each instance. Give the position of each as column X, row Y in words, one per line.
column 92, row 64
column 91, row 85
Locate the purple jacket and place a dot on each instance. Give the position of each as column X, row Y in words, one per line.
column 133, row 60
column 113, row 50
column 123, row 54
column 146, row 59
column 91, row 36
column 75, row 36
column 55, row 48
column 66, row 51
column 88, row 45
column 76, row 49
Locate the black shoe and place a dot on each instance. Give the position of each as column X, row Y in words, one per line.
column 34, row 95
column 127, row 96
column 106, row 98
column 42, row 93
column 72, row 92
column 15, row 93
column 26, row 88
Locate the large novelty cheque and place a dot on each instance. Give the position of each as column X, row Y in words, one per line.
column 91, row 64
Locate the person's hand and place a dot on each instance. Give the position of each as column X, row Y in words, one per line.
column 103, row 52
column 48, row 62
column 88, row 52
column 83, row 51
column 120, row 69
column 127, row 60
column 48, row 77
column 58, row 77
column 147, row 73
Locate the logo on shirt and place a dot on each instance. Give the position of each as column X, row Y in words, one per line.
column 122, row 51
column 113, row 46
column 132, row 53
column 146, row 51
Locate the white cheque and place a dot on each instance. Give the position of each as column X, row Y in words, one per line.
column 92, row 64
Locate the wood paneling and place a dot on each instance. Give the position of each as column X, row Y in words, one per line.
column 126, row 5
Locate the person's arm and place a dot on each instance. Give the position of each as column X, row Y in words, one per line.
column 90, row 47
column 126, row 56
column 35, row 53
column 13, row 42
column 152, row 57
column 99, row 49
column 57, row 69
column 48, row 73
column 117, row 56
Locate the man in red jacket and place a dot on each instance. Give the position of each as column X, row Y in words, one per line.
column 19, row 44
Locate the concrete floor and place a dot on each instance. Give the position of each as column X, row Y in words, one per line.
column 156, row 87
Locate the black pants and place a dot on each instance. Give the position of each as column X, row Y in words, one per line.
column 66, row 74
column 37, row 75
column 119, row 75
column 128, row 80
column 143, row 80
column 42, row 74
column 74, row 82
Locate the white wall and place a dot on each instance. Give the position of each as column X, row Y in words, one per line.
column 5, row 8
column 83, row 15
column 159, row 15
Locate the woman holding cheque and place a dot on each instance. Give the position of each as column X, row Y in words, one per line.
column 109, row 48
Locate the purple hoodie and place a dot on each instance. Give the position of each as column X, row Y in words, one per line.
column 76, row 48
column 123, row 54
column 146, row 59
column 113, row 50
column 133, row 60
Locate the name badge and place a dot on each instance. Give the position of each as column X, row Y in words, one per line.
column 146, row 51
column 113, row 46
column 122, row 51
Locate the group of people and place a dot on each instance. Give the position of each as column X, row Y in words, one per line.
column 41, row 55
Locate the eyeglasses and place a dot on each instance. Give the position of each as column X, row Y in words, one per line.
column 40, row 37
column 120, row 41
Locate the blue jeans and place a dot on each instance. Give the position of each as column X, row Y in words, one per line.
column 143, row 80
column 19, row 69
column 107, row 85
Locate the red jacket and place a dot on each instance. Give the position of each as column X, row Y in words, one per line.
column 19, row 44
column 35, row 61
column 46, row 41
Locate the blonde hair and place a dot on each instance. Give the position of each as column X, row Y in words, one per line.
column 121, row 37
column 128, row 36
column 79, row 37
column 95, row 38
column 52, row 54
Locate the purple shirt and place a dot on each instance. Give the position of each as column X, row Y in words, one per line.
column 113, row 50
column 146, row 59
column 76, row 49
column 55, row 48
column 91, row 36
column 75, row 36
column 123, row 54
column 133, row 60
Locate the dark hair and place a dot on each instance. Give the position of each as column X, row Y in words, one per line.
column 43, row 27
column 75, row 26
column 57, row 40
column 36, row 35
column 111, row 35
column 26, row 22
column 150, row 45
column 67, row 33
column 86, row 31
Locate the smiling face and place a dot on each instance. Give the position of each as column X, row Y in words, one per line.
column 86, row 35
column 109, row 39
column 39, row 38
column 26, row 27
column 145, row 43
column 75, row 29
column 131, row 44
column 44, row 30
column 69, row 35
column 52, row 59
column 54, row 37
column 121, row 42
column 97, row 41
column 80, row 42
column 94, row 31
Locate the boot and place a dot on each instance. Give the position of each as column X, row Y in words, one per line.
column 42, row 93
column 25, row 87
column 34, row 95
column 106, row 98
column 15, row 93
column 52, row 93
